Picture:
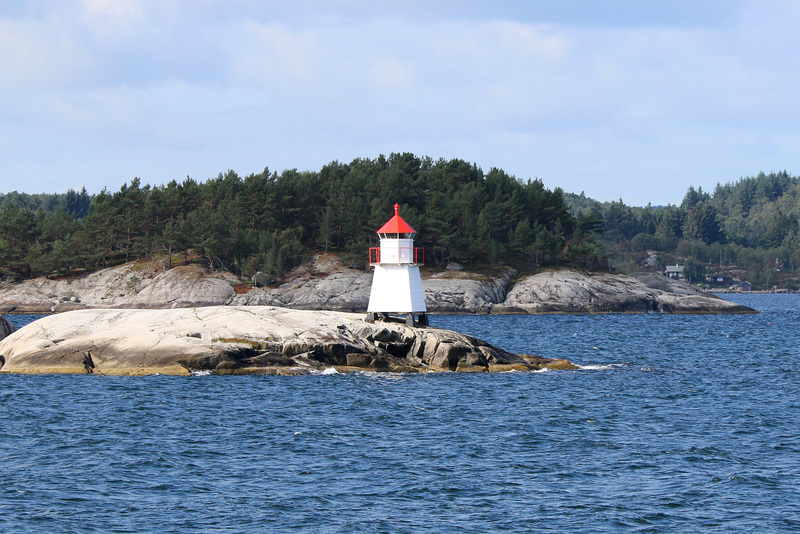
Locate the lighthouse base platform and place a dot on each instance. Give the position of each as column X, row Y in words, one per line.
column 397, row 292
column 408, row 319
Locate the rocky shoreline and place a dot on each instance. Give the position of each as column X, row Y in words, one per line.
column 328, row 285
column 245, row 340
column 142, row 318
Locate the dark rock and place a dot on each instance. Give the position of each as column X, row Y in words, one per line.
column 6, row 328
column 359, row 359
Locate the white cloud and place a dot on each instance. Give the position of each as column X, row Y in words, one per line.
column 275, row 58
column 393, row 73
column 39, row 54
column 607, row 99
column 114, row 21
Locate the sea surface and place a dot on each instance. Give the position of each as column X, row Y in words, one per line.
column 677, row 423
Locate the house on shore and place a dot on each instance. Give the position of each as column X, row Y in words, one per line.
column 742, row 286
column 719, row 279
column 674, row 271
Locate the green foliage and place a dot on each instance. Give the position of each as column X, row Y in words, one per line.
column 693, row 270
column 268, row 223
column 747, row 224
column 701, row 223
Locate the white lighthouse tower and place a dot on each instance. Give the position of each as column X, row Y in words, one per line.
column 396, row 284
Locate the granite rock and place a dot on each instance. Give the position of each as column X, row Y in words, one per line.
column 326, row 284
column 241, row 340
column 575, row 292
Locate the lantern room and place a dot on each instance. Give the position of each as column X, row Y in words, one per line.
column 397, row 243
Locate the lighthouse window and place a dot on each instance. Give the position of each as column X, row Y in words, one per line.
column 396, row 236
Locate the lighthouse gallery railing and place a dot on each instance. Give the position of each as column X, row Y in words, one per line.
column 403, row 253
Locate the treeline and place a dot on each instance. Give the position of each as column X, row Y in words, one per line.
column 270, row 222
column 751, row 223
column 75, row 202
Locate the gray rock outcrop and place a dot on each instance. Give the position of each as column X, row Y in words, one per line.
column 240, row 340
column 328, row 285
column 574, row 292
column 461, row 292
column 133, row 285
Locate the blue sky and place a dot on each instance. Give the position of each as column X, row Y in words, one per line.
column 631, row 99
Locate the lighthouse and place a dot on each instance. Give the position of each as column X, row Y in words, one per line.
column 396, row 284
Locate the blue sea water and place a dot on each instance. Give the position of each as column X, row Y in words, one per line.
column 678, row 423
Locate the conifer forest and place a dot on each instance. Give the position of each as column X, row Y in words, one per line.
column 272, row 222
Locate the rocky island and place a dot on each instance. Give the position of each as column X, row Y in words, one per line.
column 245, row 340
column 326, row 284
column 144, row 318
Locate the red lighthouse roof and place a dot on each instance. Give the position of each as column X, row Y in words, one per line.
column 396, row 225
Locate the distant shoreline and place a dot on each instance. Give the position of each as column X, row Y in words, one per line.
column 755, row 292
column 327, row 284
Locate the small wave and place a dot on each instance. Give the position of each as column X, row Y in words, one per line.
column 383, row 375
column 200, row 373
column 599, row 367
column 329, row 371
